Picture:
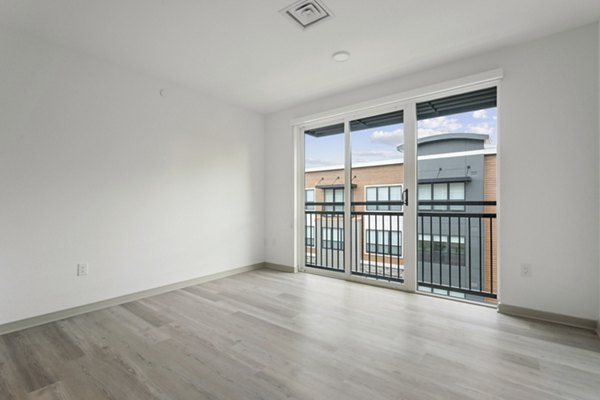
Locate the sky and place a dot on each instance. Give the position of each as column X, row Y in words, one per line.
column 379, row 144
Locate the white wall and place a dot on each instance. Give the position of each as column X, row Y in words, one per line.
column 549, row 172
column 96, row 167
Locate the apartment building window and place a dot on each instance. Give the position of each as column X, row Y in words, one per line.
column 383, row 193
column 309, row 197
column 309, row 236
column 334, row 195
column 442, row 191
column 332, row 238
column 384, row 242
column 444, row 249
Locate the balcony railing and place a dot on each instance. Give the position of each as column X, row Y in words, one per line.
column 324, row 236
column 456, row 244
column 456, row 250
column 377, row 242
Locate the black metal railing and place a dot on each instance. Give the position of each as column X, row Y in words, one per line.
column 456, row 244
column 324, row 245
column 376, row 238
column 377, row 246
column 456, row 250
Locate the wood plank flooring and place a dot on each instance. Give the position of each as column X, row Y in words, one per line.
column 272, row 335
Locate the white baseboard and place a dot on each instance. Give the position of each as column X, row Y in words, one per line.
column 548, row 317
column 280, row 267
column 71, row 312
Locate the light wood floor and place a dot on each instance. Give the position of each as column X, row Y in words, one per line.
column 272, row 335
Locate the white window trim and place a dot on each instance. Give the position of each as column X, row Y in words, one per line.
column 456, row 86
column 405, row 100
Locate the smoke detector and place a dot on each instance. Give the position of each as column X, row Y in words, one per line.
column 306, row 13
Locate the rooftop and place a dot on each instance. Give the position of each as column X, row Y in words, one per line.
column 448, row 136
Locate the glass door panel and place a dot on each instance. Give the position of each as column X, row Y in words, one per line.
column 324, row 181
column 456, row 221
column 377, row 214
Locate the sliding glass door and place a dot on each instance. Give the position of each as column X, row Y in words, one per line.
column 356, row 195
column 404, row 194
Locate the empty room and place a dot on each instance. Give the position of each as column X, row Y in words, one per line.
column 299, row 199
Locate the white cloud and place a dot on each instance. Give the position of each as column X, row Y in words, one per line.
column 391, row 138
column 484, row 128
column 480, row 114
column 439, row 125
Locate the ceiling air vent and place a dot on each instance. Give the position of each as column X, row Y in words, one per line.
column 307, row 13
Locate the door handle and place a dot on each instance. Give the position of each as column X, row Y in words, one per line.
column 405, row 197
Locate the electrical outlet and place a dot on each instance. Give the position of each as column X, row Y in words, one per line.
column 526, row 270
column 82, row 269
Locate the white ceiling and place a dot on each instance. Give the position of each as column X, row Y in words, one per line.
column 247, row 53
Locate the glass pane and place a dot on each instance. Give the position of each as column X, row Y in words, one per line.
column 378, row 173
column 309, row 197
column 338, row 196
column 324, row 171
column 381, row 237
column 383, row 195
column 328, row 195
column 371, row 236
column 395, row 239
column 310, row 235
column 456, row 156
column 440, row 192
column 396, row 193
column 371, row 196
column 457, row 192
column 424, row 194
